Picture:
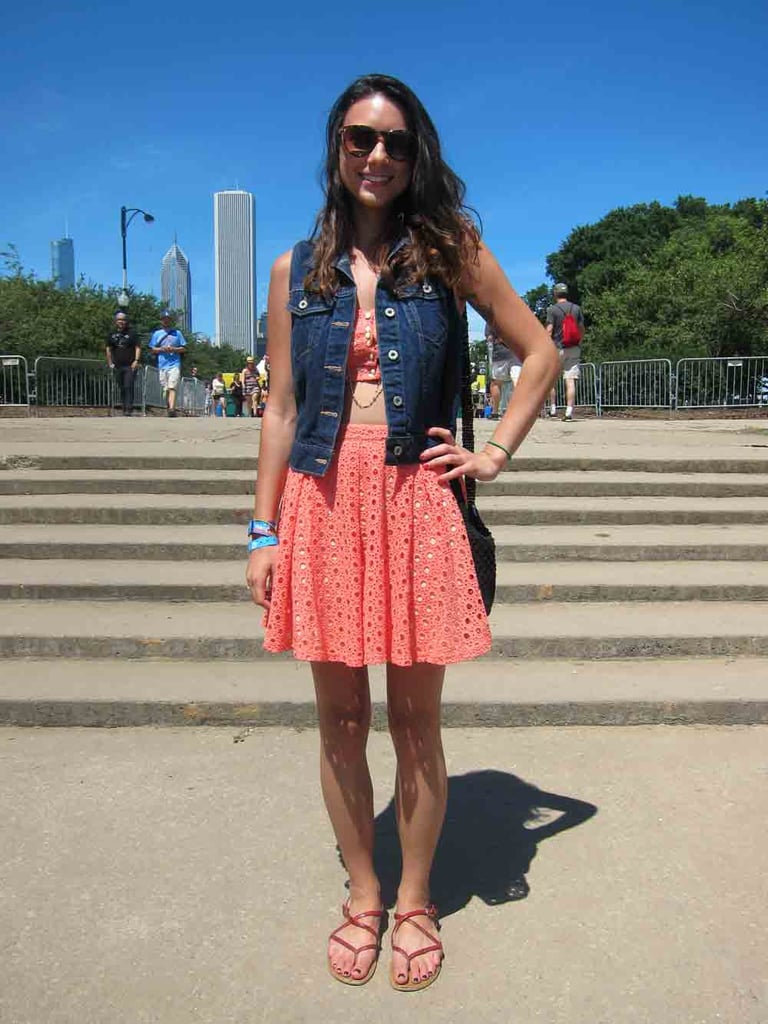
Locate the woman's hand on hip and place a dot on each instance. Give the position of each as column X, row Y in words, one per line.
column 258, row 575
column 452, row 461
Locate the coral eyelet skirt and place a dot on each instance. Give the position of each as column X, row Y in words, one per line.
column 374, row 564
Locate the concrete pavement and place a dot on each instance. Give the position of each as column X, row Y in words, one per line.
column 175, row 876
column 669, row 440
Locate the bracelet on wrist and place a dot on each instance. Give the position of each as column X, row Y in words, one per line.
column 262, row 528
column 496, row 444
column 262, row 542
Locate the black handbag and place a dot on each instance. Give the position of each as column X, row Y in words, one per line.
column 481, row 542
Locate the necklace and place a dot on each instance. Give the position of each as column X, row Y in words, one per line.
column 370, row 341
column 365, row 405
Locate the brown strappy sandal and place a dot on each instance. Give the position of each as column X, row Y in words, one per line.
column 435, row 945
column 356, row 920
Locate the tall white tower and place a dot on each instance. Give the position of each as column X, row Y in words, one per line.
column 63, row 263
column 234, row 232
column 176, row 285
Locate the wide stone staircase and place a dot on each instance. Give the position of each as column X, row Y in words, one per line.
column 632, row 591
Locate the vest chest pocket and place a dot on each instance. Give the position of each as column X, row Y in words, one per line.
column 424, row 307
column 310, row 315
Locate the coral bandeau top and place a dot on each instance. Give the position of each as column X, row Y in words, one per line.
column 363, row 360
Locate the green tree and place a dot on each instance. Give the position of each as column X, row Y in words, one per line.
column 538, row 299
column 703, row 293
column 37, row 319
column 670, row 282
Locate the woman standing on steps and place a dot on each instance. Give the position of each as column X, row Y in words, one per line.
column 369, row 562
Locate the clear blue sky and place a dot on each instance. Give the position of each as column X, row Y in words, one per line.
column 552, row 113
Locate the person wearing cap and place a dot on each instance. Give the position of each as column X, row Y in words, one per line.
column 251, row 387
column 169, row 344
column 569, row 357
column 123, row 352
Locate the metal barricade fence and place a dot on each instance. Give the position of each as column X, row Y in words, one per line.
column 635, row 384
column 152, row 389
column 586, row 387
column 14, row 382
column 727, row 382
column 192, row 397
column 73, row 383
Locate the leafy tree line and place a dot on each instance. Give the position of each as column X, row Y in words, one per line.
column 673, row 282
column 38, row 319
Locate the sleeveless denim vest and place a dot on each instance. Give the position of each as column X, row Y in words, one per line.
column 419, row 336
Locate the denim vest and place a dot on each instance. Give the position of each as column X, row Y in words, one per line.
column 419, row 334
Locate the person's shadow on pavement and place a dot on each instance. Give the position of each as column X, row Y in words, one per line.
column 493, row 824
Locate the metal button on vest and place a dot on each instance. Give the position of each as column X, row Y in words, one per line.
column 389, row 311
column 392, row 354
column 426, row 288
column 397, row 450
column 397, row 401
column 303, row 304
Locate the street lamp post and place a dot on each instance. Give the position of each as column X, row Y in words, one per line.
column 125, row 220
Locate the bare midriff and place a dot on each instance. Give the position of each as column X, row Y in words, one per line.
column 364, row 396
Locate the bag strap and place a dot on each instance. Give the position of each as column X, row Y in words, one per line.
column 467, row 410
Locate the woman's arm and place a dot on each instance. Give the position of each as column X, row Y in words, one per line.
column 488, row 291
column 486, row 288
column 279, row 421
column 278, row 425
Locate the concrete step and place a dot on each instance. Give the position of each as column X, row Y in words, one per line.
column 514, row 543
column 222, row 509
column 517, row 582
column 483, row 693
column 737, row 462
column 562, row 483
column 187, row 631
column 140, row 481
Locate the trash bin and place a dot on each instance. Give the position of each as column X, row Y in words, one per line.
column 231, row 406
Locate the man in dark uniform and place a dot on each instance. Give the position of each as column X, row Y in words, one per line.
column 123, row 355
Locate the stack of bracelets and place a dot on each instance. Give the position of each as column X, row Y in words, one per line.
column 261, row 534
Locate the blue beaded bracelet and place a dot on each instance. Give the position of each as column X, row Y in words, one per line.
column 262, row 542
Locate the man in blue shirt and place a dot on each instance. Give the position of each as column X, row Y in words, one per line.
column 169, row 344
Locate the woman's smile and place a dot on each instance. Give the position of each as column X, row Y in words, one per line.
column 374, row 180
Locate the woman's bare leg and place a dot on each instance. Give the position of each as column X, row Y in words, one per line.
column 344, row 714
column 421, row 788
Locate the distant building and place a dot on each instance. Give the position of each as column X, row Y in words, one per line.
column 63, row 263
column 176, row 286
column 234, row 231
column 261, row 337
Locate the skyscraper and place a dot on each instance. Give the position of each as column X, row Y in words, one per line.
column 63, row 263
column 176, row 285
column 261, row 337
column 234, row 231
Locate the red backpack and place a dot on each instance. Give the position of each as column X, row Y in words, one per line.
column 571, row 330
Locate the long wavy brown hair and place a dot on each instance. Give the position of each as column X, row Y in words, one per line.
column 442, row 238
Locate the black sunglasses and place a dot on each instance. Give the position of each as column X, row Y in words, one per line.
column 361, row 139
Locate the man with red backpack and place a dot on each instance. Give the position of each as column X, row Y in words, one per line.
column 565, row 326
